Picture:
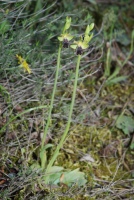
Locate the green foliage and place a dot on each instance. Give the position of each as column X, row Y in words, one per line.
column 59, row 176
column 43, row 156
column 113, row 78
column 5, row 94
column 4, row 27
column 125, row 123
column 112, row 31
column 109, row 21
column 76, row 177
column 132, row 145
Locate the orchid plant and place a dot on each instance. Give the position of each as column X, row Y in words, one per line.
column 79, row 47
column 65, row 37
column 48, row 168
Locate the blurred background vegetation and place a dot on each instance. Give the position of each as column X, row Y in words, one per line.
column 103, row 118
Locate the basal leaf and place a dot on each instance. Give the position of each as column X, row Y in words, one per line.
column 54, row 174
column 74, row 176
column 116, row 80
column 125, row 123
column 114, row 74
column 69, row 177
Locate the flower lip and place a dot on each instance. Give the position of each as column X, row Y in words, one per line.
column 65, row 38
column 79, row 46
column 65, row 43
column 79, row 50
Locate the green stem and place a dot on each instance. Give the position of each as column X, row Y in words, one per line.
column 52, row 99
column 68, row 123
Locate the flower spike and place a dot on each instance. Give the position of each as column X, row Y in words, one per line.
column 66, row 37
column 83, row 43
column 68, row 23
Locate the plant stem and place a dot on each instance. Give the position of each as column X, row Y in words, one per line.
column 52, row 99
column 68, row 123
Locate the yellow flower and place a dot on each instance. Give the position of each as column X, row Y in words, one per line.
column 65, row 38
column 79, row 46
column 23, row 63
column 83, row 43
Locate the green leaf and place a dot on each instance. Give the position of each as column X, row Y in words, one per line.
column 69, row 177
column 48, row 146
column 43, row 155
column 55, row 173
column 55, row 169
column 4, row 26
column 125, row 123
column 116, row 72
column 132, row 146
column 74, row 176
column 116, row 80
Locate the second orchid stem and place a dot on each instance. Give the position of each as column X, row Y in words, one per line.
column 51, row 104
